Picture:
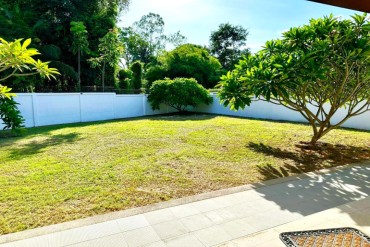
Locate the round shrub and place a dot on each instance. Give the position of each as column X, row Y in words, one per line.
column 179, row 93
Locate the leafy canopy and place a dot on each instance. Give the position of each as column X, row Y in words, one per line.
column 79, row 37
column 47, row 22
column 227, row 44
column 179, row 93
column 145, row 39
column 315, row 70
column 17, row 60
column 189, row 61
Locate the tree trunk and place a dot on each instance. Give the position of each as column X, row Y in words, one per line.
column 317, row 135
column 79, row 69
column 103, row 75
column 314, row 139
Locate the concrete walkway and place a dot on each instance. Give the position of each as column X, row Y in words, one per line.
column 253, row 217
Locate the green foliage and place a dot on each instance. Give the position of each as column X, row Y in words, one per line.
column 17, row 60
column 5, row 92
column 315, row 69
column 51, row 52
column 227, row 44
column 125, row 76
column 191, row 61
column 145, row 40
column 80, row 44
column 10, row 115
column 154, row 73
column 179, row 93
column 151, row 28
column 48, row 23
column 80, row 41
column 137, row 75
column 110, row 49
column 136, row 48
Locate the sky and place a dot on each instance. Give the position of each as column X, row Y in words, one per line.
column 264, row 19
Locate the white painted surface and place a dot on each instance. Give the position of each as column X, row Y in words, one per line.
column 264, row 110
column 97, row 106
column 41, row 109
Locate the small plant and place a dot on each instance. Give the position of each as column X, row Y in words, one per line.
column 179, row 93
column 10, row 115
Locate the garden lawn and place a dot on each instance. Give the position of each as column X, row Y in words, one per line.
column 61, row 173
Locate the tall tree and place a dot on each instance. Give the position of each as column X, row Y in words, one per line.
column 136, row 48
column 145, row 39
column 316, row 70
column 80, row 44
column 151, row 28
column 110, row 49
column 227, row 44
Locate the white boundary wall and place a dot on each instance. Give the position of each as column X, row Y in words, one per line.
column 40, row 109
column 264, row 110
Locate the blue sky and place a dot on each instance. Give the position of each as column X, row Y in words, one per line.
column 265, row 19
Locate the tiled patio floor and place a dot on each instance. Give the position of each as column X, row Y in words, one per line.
column 253, row 217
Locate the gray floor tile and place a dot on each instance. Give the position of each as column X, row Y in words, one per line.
column 85, row 233
column 156, row 244
column 188, row 240
column 271, row 218
column 196, row 222
column 207, row 205
column 170, row 229
column 160, row 216
column 215, row 217
column 141, row 237
column 116, row 240
column 248, row 196
column 185, row 210
column 238, row 228
column 238, row 211
column 212, row 236
column 42, row 241
column 262, row 205
column 224, row 201
column 132, row 222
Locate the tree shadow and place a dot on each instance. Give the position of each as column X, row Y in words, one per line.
column 347, row 190
column 306, row 158
column 313, row 193
column 35, row 147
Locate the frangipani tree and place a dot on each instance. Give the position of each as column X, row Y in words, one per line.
column 16, row 59
column 315, row 69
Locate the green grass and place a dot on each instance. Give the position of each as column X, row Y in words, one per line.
column 60, row 173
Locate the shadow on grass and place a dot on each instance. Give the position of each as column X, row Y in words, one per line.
column 306, row 158
column 182, row 116
column 35, row 147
